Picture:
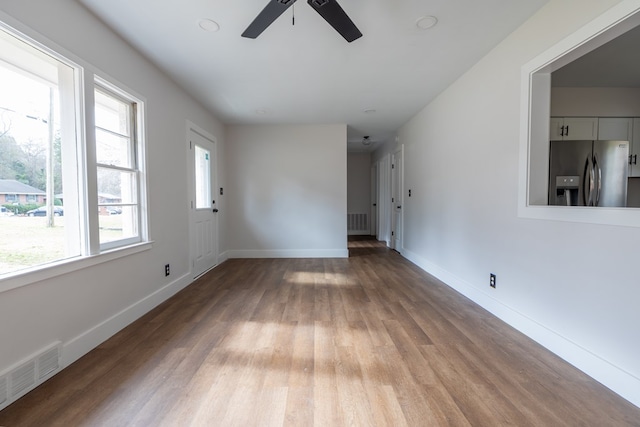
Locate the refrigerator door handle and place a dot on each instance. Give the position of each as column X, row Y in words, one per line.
column 592, row 185
column 587, row 186
column 597, row 171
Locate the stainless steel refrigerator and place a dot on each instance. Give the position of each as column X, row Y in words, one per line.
column 588, row 173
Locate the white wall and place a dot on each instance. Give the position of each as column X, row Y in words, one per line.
column 359, row 183
column 595, row 101
column 573, row 287
column 287, row 191
column 84, row 307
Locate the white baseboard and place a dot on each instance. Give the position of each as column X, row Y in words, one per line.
column 613, row 377
column 223, row 257
column 90, row 339
column 289, row 253
column 358, row 233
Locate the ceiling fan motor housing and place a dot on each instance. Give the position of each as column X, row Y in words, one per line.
column 330, row 10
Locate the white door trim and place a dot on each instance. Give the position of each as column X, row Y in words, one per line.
column 384, row 199
column 397, row 193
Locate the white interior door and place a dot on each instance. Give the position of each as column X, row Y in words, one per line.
column 374, row 200
column 396, row 200
column 204, row 223
column 384, row 198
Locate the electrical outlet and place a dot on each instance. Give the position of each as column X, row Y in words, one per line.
column 492, row 280
column 167, row 270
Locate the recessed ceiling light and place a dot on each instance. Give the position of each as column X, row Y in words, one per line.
column 209, row 25
column 370, row 111
column 426, row 22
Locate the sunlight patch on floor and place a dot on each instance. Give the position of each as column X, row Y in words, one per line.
column 315, row 278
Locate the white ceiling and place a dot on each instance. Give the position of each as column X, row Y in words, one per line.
column 614, row 64
column 307, row 73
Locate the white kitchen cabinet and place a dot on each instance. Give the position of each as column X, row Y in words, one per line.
column 618, row 129
column 603, row 128
column 615, row 129
column 573, row 128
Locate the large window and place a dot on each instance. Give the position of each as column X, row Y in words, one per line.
column 117, row 168
column 52, row 210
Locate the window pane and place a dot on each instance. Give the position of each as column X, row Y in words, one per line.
column 203, row 178
column 113, row 149
column 112, row 114
column 115, row 186
column 38, row 166
column 117, row 226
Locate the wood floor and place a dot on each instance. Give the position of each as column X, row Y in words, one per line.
column 371, row 340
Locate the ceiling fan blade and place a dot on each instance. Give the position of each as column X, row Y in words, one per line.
column 270, row 13
column 331, row 11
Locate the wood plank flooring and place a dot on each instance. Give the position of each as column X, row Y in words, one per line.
column 371, row 340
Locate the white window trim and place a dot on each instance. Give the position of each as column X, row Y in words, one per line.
column 49, row 271
column 534, row 118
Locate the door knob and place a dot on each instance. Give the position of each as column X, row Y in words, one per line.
column 215, row 210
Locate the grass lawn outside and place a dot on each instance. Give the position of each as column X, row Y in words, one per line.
column 27, row 241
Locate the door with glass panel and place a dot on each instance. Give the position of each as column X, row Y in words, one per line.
column 204, row 206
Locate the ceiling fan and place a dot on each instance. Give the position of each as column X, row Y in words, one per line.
column 330, row 10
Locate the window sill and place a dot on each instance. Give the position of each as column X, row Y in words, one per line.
column 36, row 274
column 623, row 217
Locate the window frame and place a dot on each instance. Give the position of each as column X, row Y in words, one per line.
column 85, row 79
column 136, row 151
